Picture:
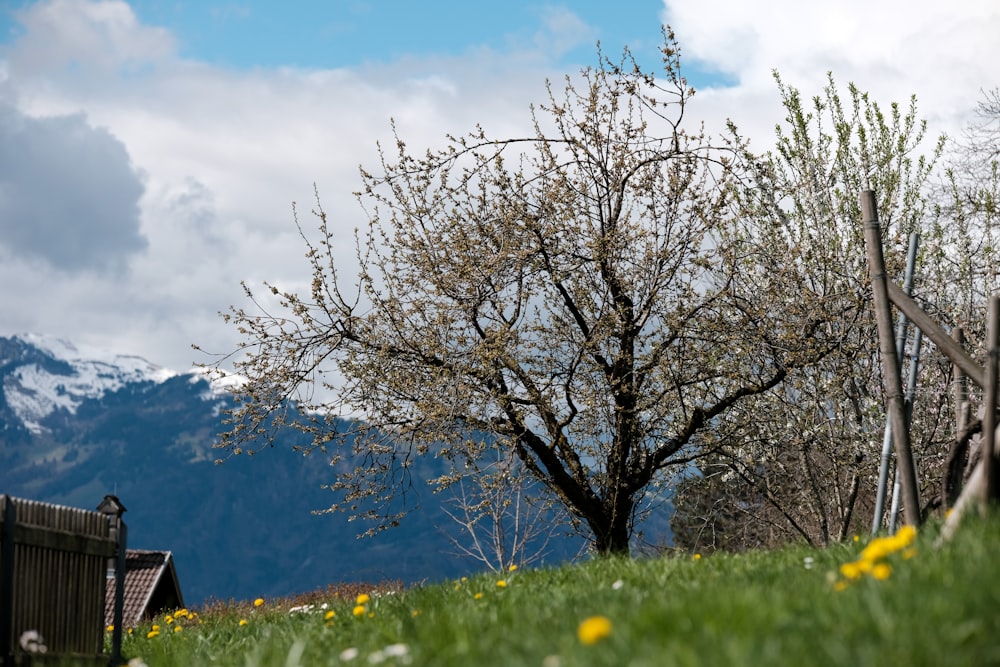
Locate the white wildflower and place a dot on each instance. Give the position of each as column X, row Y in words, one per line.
column 396, row 650
column 32, row 642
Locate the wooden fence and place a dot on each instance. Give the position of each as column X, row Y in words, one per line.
column 53, row 569
column 983, row 485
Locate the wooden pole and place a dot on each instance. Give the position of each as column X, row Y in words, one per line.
column 7, row 579
column 890, row 359
column 932, row 330
column 955, row 470
column 885, row 464
column 990, row 399
column 119, row 609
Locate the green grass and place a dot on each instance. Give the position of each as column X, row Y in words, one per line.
column 939, row 607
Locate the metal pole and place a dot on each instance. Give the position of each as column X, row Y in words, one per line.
column 890, row 359
column 894, row 508
column 961, row 386
column 886, row 462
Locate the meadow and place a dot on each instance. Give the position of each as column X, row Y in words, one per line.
column 897, row 600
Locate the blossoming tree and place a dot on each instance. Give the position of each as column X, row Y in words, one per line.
column 590, row 297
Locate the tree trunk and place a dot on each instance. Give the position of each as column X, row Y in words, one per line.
column 612, row 530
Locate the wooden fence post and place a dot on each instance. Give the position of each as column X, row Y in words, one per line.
column 890, row 359
column 990, row 400
column 7, row 578
column 885, row 463
column 113, row 509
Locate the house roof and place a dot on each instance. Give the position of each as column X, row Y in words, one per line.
column 150, row 587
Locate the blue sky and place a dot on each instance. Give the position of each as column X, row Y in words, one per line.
column 343, row 33
column 150, row 150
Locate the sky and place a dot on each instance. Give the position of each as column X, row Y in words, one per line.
column 150, row 151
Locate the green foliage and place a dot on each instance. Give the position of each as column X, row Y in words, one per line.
column 783, row 607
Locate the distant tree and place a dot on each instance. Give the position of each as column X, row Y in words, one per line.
column 500, row 523
column 593, row 297
column 810, row 456
column 806, row 467
column 967, row 201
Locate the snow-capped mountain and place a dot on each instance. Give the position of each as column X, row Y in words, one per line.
column 42, row 375
column 77, row 423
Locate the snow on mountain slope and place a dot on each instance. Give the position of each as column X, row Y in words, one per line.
column 37, row 388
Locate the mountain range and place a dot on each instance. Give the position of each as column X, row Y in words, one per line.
column 76, row 424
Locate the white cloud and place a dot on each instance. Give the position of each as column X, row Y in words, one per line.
column 944, row 53
column 563, row 31
column 224, row 153
column 102, row 36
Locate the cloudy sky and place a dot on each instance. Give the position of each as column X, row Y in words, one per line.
column 150, row 150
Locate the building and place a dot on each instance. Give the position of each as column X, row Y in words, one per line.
column 151, row 587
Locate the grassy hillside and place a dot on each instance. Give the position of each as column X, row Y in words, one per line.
column 891, row 603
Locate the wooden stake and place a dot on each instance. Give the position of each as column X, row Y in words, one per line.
column 990, row 400
column 890, row 360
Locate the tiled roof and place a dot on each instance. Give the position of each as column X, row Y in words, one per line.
column 150, row 587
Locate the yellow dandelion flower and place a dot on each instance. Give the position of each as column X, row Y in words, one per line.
column 169, row 619
column 328, row 615
column 841, row 585
column 877, row 549
column 696, row 557
column 857, row 538
column 906, row 534
column 594, row 629
column 359, row 610
column 181, row 613
column 111, row 628
column 243, row 622
column 364, row 598
column 909, row 553
column 156, row 628
column 152, row 633
column 501, row 584
column 477, row 596
column 512, row 568
column 881, row 571
column 178, row 628
column 855, row 569
column 258, row 602
column 415, row 613
column 884, row 546
column 458, row 586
